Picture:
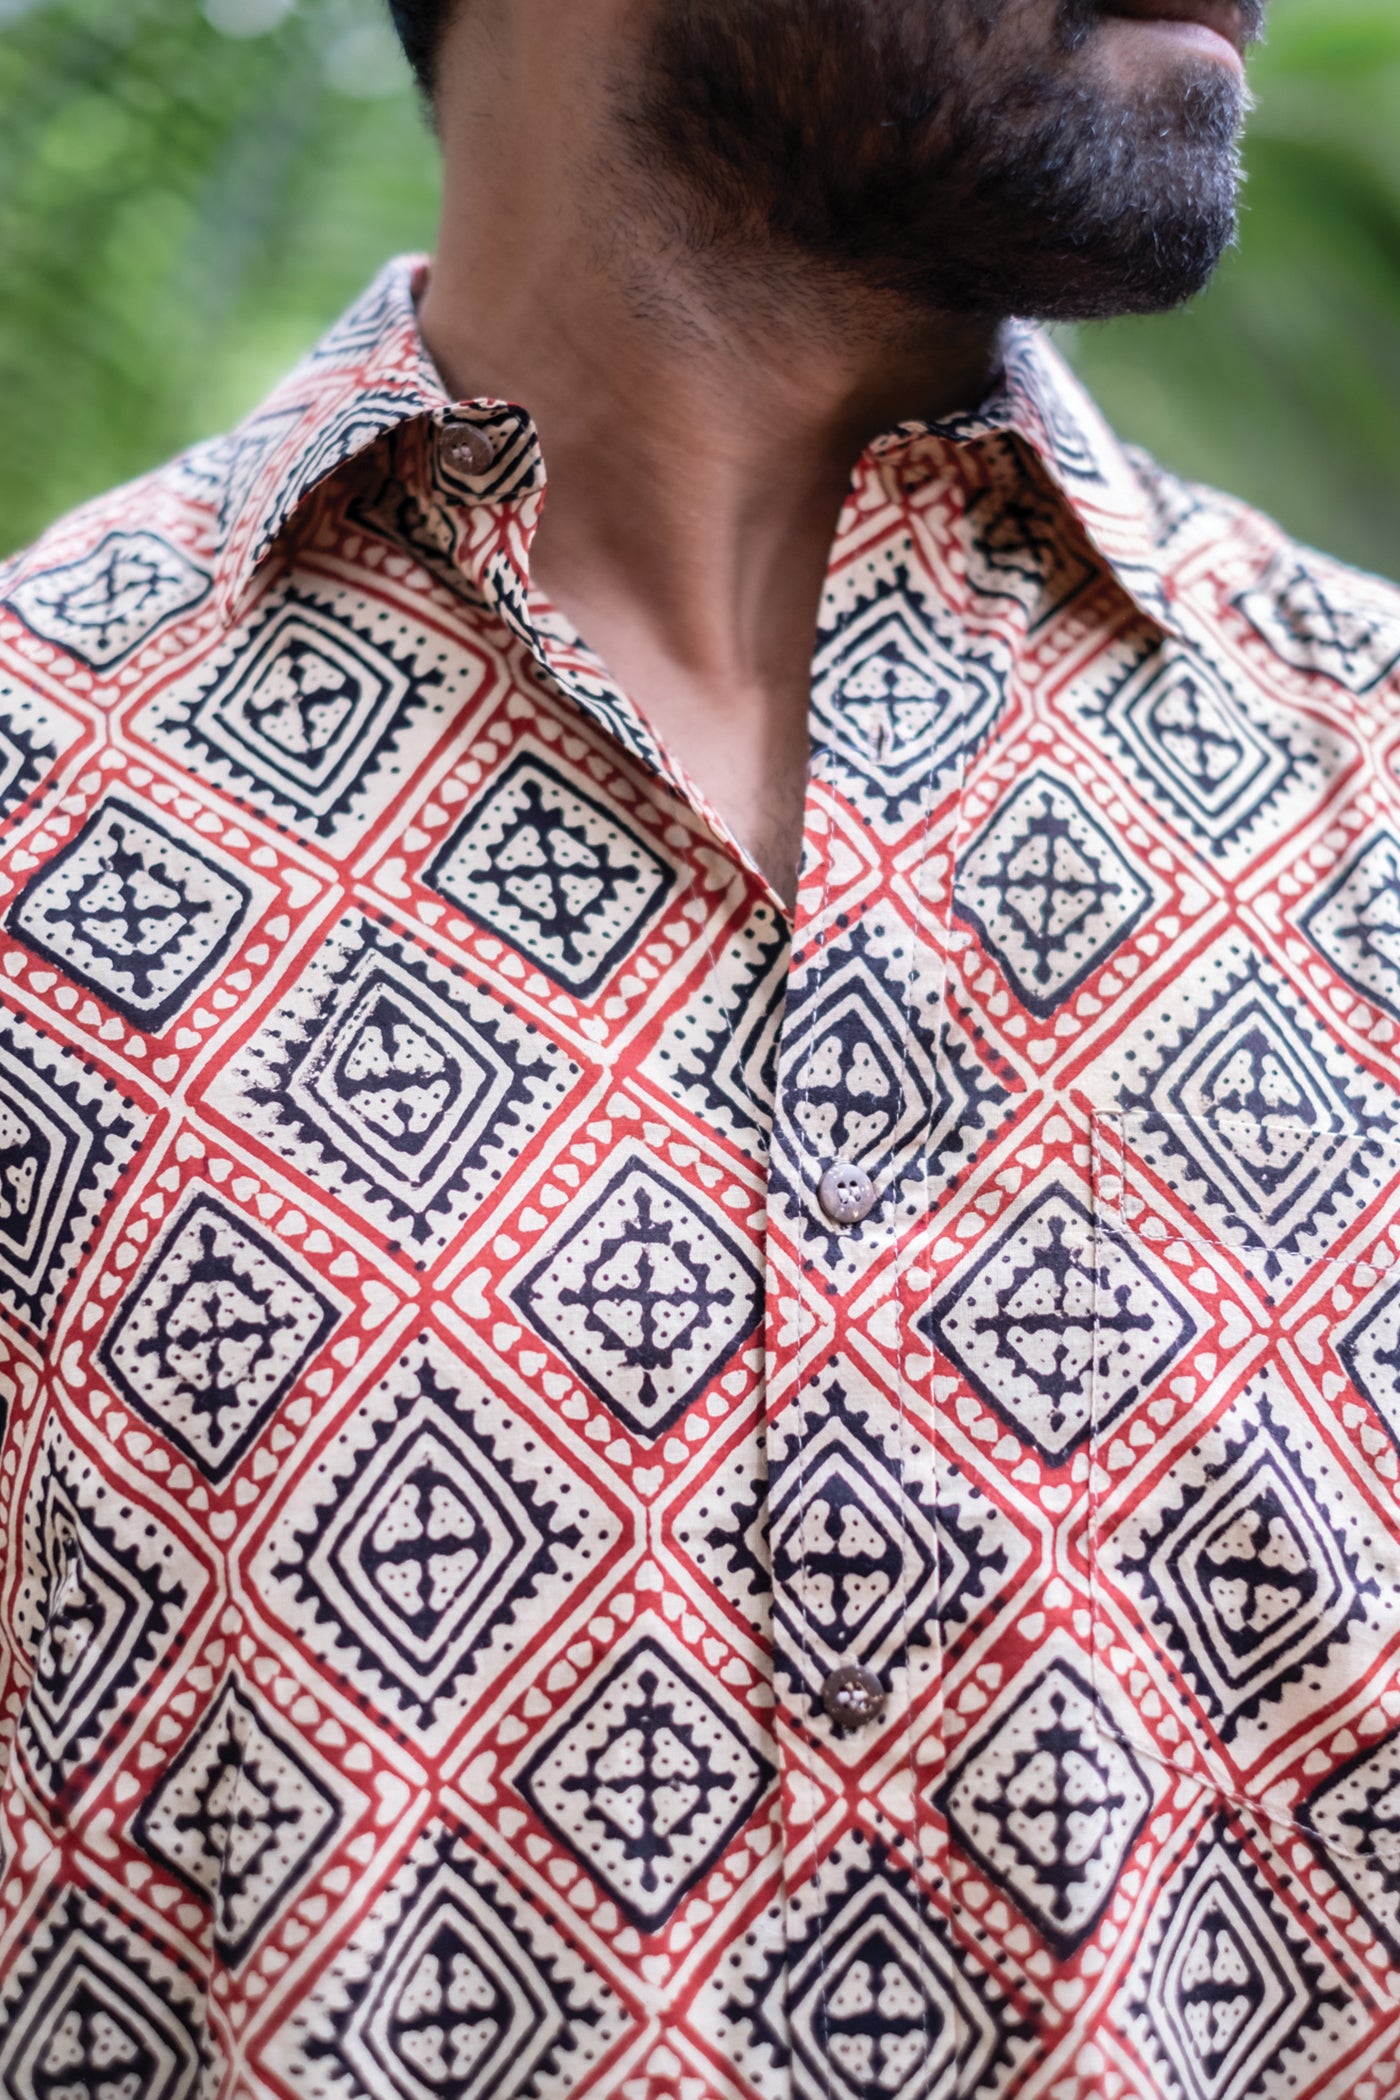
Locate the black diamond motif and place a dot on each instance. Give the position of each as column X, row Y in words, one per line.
column 899, row 699
column 542, row 863
column 26, row 1165
column 1195, row 746
column 1274, row 1137
column 859, row 1567
column 855, row 1082
column 1018, row 548
column 91, row 2025
column 95, row 1612
column 104, row 606
column 719, row 1052
column 1051, row 1806
column 94, row 2047
column 1049, row 891
column 1355, row 923
column 65, row 1134
column 873, row 2003
column 879, row 2016
column 394, row 1080
column 384, row 1074
column 857, row 1562
column 138, row 917
column 1226, row 1992
column 647, row 1781
column 302, row 708
column 240, row 1817
column 1355, row 1814
column 870, row 1071
column 31, row 737
column 1370, row 1350
column 645, row 1295
column 853, row 1561
column 214, row 1335
column 425, row 1543
column 1241, row 1571
column 1351, row 639
column 307, row 707
column 1058, row 1331
column 460, row 2004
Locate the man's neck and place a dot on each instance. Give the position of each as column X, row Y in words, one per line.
column 699, row 425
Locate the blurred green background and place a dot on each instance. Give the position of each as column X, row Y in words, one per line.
column 189, row 193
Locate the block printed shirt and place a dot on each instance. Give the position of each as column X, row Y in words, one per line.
column 448, row 1445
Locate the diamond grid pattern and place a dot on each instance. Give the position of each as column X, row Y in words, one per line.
column 1234, row 1997
column 1051, row 1805
column 542, row 861
column 445, row 1444
column 646, row 1294
column 455, row 1986
column 1057, row 1328
column 136, row 915
column 106, row 604
column 310, row 715
column 430, row 1545
column 1050, row 893
column 648, row 1780
column 240, row 1816
column 216, row 1333
column 92, row 2013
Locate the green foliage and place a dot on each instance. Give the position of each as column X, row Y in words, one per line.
column 187, row 196
column 182, row 211
column 1283, row 383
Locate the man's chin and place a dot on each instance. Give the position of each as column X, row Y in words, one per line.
column 1098, row 177
column 1143, row 200
column 1139, row 227
column 1154, row 280
column 1117, row 270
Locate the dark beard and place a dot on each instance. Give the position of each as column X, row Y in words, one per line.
column 882, row 140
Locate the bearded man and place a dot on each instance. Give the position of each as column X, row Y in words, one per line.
column 699, row 1179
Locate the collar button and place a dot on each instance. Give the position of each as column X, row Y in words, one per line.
column 468, row 450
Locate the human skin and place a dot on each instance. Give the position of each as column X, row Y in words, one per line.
column 702, row 396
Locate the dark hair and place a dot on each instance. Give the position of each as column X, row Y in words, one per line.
column 420, row 24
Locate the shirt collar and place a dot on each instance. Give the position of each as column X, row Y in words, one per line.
column 1042, row 401
column 372, row 373
column 368, row 376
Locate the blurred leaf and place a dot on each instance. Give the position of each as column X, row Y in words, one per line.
column 1283, row 382
column 182, row 210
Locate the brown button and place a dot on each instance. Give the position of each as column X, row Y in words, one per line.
column 854, row 1697
column 846, row 1194
column 468, row 449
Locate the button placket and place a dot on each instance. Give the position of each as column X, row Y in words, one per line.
column 862, row 1721
column 930, row 939
column 788, row 1445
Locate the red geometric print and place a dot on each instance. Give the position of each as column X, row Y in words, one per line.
column 449, row 1442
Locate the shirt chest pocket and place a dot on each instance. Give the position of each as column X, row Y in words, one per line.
column 1244, row 1534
